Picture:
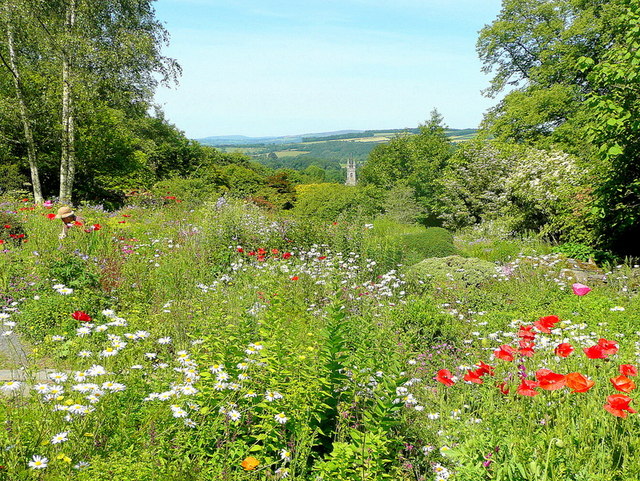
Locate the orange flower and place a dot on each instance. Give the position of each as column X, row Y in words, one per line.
column 249, row 463
column 578, row 383
column 623, row 383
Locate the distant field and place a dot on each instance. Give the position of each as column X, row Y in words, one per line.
column 291, row 153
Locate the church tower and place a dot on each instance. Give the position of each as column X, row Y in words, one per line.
column 351, row 172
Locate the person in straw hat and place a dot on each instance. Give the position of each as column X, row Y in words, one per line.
column 69, row 219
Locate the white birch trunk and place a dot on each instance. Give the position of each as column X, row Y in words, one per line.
column 67, row 162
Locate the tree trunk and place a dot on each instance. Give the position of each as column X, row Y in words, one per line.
column 68, row 160
column 24, row 116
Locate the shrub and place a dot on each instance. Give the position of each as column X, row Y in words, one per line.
column 462, row 271
column 575, row 250
column 433, row 242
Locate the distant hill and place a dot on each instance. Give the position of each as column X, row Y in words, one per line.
column 225, row 140
column 342, row 135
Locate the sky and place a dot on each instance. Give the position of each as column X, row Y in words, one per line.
column 286, row 67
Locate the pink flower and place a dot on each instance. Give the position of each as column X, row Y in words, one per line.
column 580, row 289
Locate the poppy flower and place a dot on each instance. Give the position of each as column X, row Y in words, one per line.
column 527, row 387
column 617, row 404
column 51, row 216
column 580, row 289
column 261, row 252
column 249, row 463
column 7, row 226
column 549, row 380
column 96, row 226
column 274, row 251
column 526, row 333
column 1, row 241
column 286, row 255
column 504, row 388
column 595, row 352
column 321, row 258
column 623, row 383
column 445, row 377
column 295, row 278
column 484, row 369
column 608, row 347
column 526, row 348
column 81, row 316
column 473, row 376
column 563, row 349
column 628, row 370
column 240, row 249
column 505, row 352
column 545, row 324
column 578, row 383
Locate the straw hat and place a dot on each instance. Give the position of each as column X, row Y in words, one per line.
column 64, row 212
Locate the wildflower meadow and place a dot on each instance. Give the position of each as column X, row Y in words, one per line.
column 174, row 340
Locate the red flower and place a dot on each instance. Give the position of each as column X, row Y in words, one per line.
column 623, row 383
column 286, row 255
column 545, row 324
column 628, row 370
column 97, row 227
column 549, row 380
column 240, row 249
column 564, row 349
column 274, row 251
column 526, row 333
column 617, row 404
column 321, row 258
column 295, row 278
column 251, row 253
column 608, row 347
column 504, row 388
column 526, row 348
column 527, row 387
column 77, row 223
column 578, row 383
column 445, row 377
column 484, row 369
column 1, row 241
column 261, row 252
column 51, row 216
column 126, row 215
column 7, row 226
column 170, row 197
column 122, row 221
column 595, row 352
column 473, row 376
column 505, row 352
column 81, row 316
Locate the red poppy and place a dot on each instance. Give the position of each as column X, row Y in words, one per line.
column 564, row 349
column 549, row 380
column 445, row 377
column 321, row 258
column 473, row 376
column 51, row 216
column 595, row 352
column 251, row 253
column 526, row 388
column 484, row 369
column 526, row 348
column 623, row 383
column 609, row 347
column 578, row 383
column 505, row 352
column 122, row 221
column 526, row 333
column 126, row 215
column 286, row 255
column 1, row 241
column 7, row 226
column 81, row 316
column 170, row 197
column 97, row 227
column 274, row 251
column 617, row 404
column 628, row 370
column 261, row 251
column 545, row 324
column 77, row 223
column 295, row 278
column 504, row 388
column 240, row 249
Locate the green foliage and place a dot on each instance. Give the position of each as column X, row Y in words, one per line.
column 190, row 190
column 72, row 271
column 433, row 242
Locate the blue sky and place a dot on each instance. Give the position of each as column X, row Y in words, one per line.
column 283, row 67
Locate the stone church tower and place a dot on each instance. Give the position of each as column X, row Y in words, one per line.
column 351, row 172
